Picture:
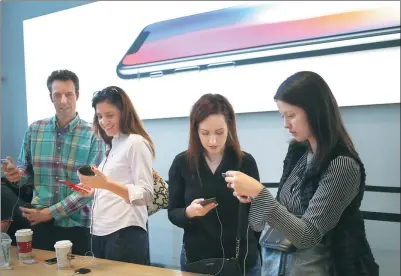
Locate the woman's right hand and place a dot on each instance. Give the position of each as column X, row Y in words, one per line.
column 197, row 210
column 87, row 192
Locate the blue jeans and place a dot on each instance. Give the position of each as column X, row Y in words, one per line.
column 256, row 270
column 130, row 244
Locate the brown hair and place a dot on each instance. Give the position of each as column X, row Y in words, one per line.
column 210, row 104
column 129, row 121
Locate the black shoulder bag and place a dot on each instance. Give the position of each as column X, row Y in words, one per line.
column 218, row 266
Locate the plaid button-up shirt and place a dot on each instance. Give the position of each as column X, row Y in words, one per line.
column 50, row 154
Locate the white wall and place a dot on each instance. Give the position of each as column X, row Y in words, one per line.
column 374, row 129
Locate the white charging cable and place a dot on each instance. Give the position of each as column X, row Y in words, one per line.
column 222, row 246
column 13, row 209
column 221, row 241
column 91, row 259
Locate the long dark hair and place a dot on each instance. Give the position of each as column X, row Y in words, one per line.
column 129, row 121
column 310, row 92
column 210, row 104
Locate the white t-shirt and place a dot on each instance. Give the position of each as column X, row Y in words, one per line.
column 129, row 163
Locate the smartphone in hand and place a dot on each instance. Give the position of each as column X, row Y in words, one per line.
column 86, row 170
column 28, row 206
column 208, row 201
column 73, row 186
column 3, row 161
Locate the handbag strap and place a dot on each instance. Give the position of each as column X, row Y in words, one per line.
column 238, row 234
column 238, row 237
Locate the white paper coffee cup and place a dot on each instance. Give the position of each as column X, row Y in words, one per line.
column 24, row 243
column 63, row 254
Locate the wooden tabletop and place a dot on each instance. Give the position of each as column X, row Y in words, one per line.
column 98, row 267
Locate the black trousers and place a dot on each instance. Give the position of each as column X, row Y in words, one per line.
column 46, row 234
column 130, row 244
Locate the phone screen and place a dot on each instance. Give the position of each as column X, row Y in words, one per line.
column 247, row 28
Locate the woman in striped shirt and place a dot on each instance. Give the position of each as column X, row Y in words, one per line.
column 321, row 189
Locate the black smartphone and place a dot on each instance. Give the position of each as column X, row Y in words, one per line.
column 82, row 270
column 28, row 206
column 54, row 260
column 51, row 261
column 86, row 170
column 208, row 201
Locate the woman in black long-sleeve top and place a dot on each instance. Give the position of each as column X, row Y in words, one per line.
column 196, row 174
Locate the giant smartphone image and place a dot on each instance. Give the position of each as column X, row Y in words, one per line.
column 243, row 35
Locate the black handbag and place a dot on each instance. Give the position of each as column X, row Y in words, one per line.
column 218, row 266
column 274, row 240
column 215, row 267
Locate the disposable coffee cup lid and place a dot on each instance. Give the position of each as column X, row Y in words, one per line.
column 65, row 243
column 23, row 232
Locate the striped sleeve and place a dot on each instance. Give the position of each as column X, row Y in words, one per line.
column 337, row 188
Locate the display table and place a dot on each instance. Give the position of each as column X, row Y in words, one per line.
column 98, row 267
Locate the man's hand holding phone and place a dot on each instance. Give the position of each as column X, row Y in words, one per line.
column 197, row 210
column 11, row 172
column 35, row 216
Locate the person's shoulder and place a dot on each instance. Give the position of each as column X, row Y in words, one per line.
column 344, row 163
column 180, row 160
column 181, row 157
column 295, row 146
column 85, row 125
column 41, row 122
column 136, row 143
column 40, row 125
column 295, row 151
column 86, row 130
column 247, row 157
column 136, row 140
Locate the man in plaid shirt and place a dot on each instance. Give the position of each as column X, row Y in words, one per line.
column 52, row 150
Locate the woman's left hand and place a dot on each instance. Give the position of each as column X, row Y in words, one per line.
column 99, row 180
column 244, row 186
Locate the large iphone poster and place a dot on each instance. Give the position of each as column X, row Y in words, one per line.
column 167, row 54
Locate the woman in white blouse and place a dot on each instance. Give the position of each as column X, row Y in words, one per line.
column 123, row 184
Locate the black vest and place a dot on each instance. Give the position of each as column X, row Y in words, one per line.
column 350, row 250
